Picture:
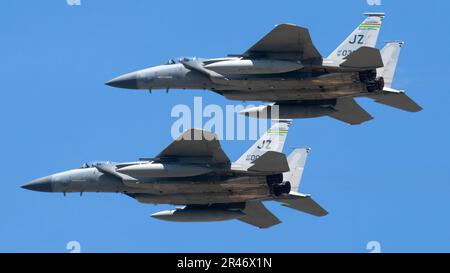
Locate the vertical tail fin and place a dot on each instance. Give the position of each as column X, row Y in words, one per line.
column 296, row 200
column 390, row 54
column 389, row 96
column 297, row 161
column 366, row 34
column 272, row 140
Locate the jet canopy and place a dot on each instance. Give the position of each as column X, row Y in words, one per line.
column 181, row 60
column 93, row 164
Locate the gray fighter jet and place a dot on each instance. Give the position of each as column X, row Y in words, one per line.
column 284, row 68
column 194, row 172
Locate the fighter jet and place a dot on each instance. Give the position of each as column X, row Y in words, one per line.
column 195, row 173
column 285, row 69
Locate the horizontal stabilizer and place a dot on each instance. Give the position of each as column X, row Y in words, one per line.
column 270, row 162
column 303, row 203
column 258, row 215
column 364, row 58
column 347, row 110
column 397, row 99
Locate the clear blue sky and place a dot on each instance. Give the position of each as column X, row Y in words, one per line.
column 387, row 180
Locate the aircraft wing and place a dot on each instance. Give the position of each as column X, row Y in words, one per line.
column 256, row 214
column 196, row 144
column 303, row 203
column 347, row 110
column 286, row 42
column 397, row 99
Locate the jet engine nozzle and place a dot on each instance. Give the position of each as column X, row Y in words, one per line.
column 282, row 188
column 375, row 85
column 277, row 185
column 380, row 81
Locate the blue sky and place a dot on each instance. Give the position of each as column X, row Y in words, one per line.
column 387, row 180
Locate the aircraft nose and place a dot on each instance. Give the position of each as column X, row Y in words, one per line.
column 128, row 81
column 41, row 184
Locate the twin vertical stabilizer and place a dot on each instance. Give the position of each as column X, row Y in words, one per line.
column 365, row 35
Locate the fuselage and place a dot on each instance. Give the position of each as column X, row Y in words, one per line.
column 214, row 187
column 253, row 80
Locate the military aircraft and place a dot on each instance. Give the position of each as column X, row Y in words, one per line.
column 285, row 69
column 194, row 172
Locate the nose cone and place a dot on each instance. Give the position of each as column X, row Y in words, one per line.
column 43, row 184
column 128, row 81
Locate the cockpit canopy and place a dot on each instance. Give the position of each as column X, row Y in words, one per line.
column 93, row 164
column 181, row 59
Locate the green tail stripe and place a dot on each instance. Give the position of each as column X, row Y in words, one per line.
column 370, row 26
column 278, row 131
